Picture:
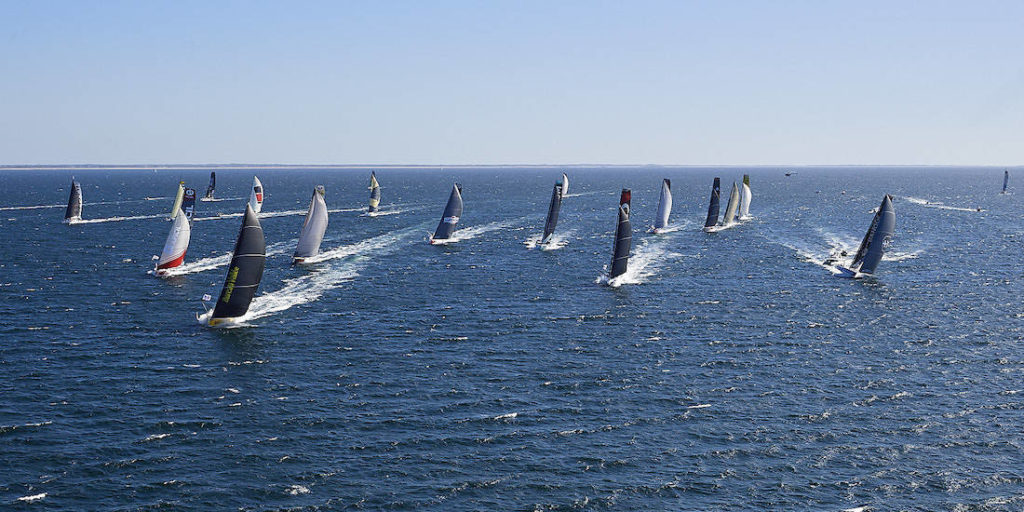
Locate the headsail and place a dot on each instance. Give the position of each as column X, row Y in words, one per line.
column 374, row 192
column 245, row 272
column 1006, row 179
column 732, row 205
column 623, row 238
column 565, row 184
column 871, row 249
column 745, row 197
column 256, row 196
column 211, row 187
column 176, row 244
column 179, row 196
column 664, row 206
column 313, row 228
column 74, row 211
column 553, row 208
column 713, row 207
column 450, row 217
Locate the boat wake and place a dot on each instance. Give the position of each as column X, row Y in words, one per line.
column 557, row 241
column 6, row 208
column 931, row 204
column 721, row 227
column 583, row 194
column 119, row 219
column 264, row 215
column 839, row 251
column 475, row 231
column 214, row 262
column 645, row 262
column 381, row 213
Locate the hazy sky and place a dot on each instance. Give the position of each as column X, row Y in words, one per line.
column 434, row 82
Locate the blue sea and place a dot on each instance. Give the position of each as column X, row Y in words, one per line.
column 728, row 371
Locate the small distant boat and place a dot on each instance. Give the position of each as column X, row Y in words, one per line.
column 313, row 228
column 211, row 187
column 714, row 206
column 244, row 274
column 256, row 197
column 664, row 207
column 790, row 173
column 177, row 241
column 1006, row 179
column 374, row 193
column 731, row 206
column 179, row 196
column 557, row 193
column 450, row 217
column 745, row 197
column 623, row 238
column 73, row 213
column 873, row 246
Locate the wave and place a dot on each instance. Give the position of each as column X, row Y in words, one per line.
column 34, row 497
column 213, row 262
column 931, row 204
column 644, row 263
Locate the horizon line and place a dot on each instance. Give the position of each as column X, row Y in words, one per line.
column 177, row 166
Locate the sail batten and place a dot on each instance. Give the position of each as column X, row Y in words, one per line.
column 664, row 205
column 313, row 228
column 450, row 217
column 714, row 206
column 623, row 238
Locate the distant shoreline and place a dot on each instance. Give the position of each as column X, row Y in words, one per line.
column 155, row 167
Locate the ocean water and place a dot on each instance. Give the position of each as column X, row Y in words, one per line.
column 730, row 371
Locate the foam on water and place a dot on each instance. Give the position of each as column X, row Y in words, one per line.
column 558, row 241
column 120, row 219
column 644, row 263
column 475, row 231
column 213, row 262
column 263, row 215
column 931, row 204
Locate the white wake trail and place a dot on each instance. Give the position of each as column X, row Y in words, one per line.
column 120, row 219
column 475, row 231
column 264, row 215
column 644, row 263
column 214, row 262
column 930, row 204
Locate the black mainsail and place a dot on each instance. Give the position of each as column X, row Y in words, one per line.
column 74, row 210
column 245, row 272
column 210, row 188
column 623, row 238
column 714, row 206
column 553, row 208
column 872, row 247
column 450, row 217
column 1006, row 179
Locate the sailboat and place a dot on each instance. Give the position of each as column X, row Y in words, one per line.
column 565, row 184
column 872, row 247
column 313, row 228
column 731, row 206
column 374, row 193
column 1006, row 179
column 557, row 193
column 210, row 188
column 244, row 274
column 664, row 208
column 74, row 212
column 256, row 197
column 177, row 241
column 179, row 196
column 713, row 207
column 450, row 217
column 745, row 197
column 623, row 238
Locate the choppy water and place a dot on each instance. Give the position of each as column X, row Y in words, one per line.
column 730, row 372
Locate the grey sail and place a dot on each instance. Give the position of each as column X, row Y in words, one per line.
column 450, row 217
column 714, row 206
column 245, row 272
column 553, row 208
column 374, row 192
column 74, row 210
column 212, row 186
column 664, row 205
column 313, row 228
column 1006, row 179
column 623, row 238
column 732, row 205
column 871, row 249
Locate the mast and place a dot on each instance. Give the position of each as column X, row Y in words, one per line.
column 245, row 272
column 374, row 192
column 179, row 196
column 714, row 206
column 623, row 238
column 256, row 196
column 745, row 197
column 872, row 247
column 450, row 217
column 553, row 208
column 73, row 212
column 313, row 228
column 664, row 205
column 730, row 208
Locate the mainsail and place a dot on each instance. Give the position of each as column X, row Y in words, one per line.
column 179, row 196
column 623, row 238
column 565, row 184
column 374, row 192
column 74, row 212
column 713, row 207
column 450, row 217
column 178, row 238
column 1006, row 179
column 869, row 254
column 553, row 208
column 313, row 228
column 732, row 205
column 245, row 271
column 664, row 206
column 256, row 197
column 210, row 188
column 745, row 197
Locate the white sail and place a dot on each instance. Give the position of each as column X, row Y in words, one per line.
column 745, row 197
column 730, row 209
column 313, row 228
column 256, row 197
column 178, row 197
column 664, row 206
column 565, row 184
column 176, row 245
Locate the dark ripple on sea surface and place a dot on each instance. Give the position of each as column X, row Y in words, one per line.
column 732, row 373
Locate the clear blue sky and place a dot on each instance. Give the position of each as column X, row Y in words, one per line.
column 435, row 82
